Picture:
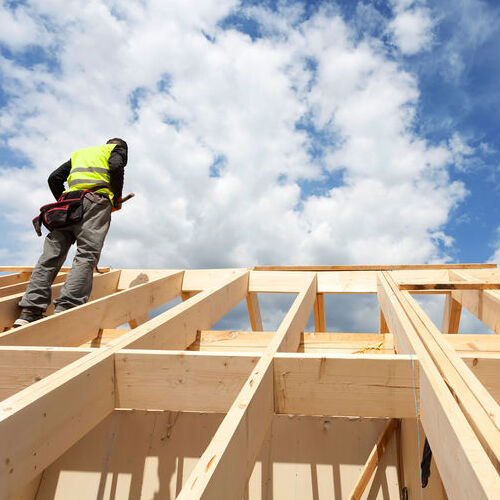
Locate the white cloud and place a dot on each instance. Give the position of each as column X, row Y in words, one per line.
column 233, row 98
column 411, row 28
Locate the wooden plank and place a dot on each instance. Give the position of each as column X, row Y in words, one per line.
column 210, row 340
column 177, row 327
column 70, row 401
column 13, row 279
column 26, row 269
column 451, row 315
column 80, row 324
column 374, row 268
column 479, row 407
column 383, row 328
column 364, row 385
column 485, row 305
column 319, row 313
column 275, row 282
column 254, row 312
column 104, row 284
column 20, row 367
column 39, row 423
column 134, row 277
column 196, row 280
column 450, row 285
column 444, row 422
column 180, row 381
column 373, row 459
column 347, row 282
column 225, row 466
column 21, row 287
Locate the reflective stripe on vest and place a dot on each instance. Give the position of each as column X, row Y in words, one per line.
column 90, row 170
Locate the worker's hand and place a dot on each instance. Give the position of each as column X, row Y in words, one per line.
column 117, row 207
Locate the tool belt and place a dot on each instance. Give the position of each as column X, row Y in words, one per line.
column 66, row 211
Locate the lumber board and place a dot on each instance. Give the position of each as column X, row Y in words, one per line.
column 21, row 287
column 26, row 269
column 450, row 285
column 134, row 277
column 364, row 385
column 226, row 464
column 451, row 315
column 470, row 458
column 275, row 282
column 78, row 325
column 485, row 305
column 230, row 340
column 376, row 267
column 104, row 284
column 13, row 279
column 464, row 469
column 180, row 381
column 196, row 280
column 479, row 407
column 254, row 312
column 177, row 327
column 20, row 368
column 319, row 313
column 373, row 459
column 38, row 425
column 383, row 328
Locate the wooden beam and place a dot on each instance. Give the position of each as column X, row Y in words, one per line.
column 254, row 312
column 373, row 459
column 177, row 327
column 41, row 422
column 13, row 279
column 196, row 280
column 21, row 287
column 366, row 385
column 477, row 404
column 225, row 466
column 319, row 313
column 485, row 305
column 469, row 472
column 383, row 328
column 21, row 367
column 374, row 268
column 451, row 315
column 450, row 285
column 104, row 284
column 180, row 381
column 80, row 324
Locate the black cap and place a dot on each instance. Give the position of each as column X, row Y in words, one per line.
column 117, row 140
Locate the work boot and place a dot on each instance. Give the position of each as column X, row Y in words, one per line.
column 28, row 316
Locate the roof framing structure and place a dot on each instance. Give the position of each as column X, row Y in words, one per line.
column 62, row 375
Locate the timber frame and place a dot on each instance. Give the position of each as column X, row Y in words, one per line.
column 61, row 376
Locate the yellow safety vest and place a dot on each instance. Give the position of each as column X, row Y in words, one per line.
column 90, row 170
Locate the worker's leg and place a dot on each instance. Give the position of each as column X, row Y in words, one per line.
column 90, row 234
column 38, row 293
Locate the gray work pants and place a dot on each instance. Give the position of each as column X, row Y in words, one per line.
column 89, row 235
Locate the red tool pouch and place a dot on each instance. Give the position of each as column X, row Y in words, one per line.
column 66, row 211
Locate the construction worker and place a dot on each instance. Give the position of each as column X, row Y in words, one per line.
column 95, row 173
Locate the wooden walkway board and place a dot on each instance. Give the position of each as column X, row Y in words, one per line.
column 141, row 356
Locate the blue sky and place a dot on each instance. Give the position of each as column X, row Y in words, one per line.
column 262, row 132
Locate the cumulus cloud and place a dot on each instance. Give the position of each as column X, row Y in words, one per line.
column 224, row 172
column 411, row 27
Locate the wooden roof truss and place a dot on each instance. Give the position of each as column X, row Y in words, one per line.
column 59, row 377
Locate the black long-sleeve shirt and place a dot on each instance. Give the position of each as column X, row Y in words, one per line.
column 117, row 161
